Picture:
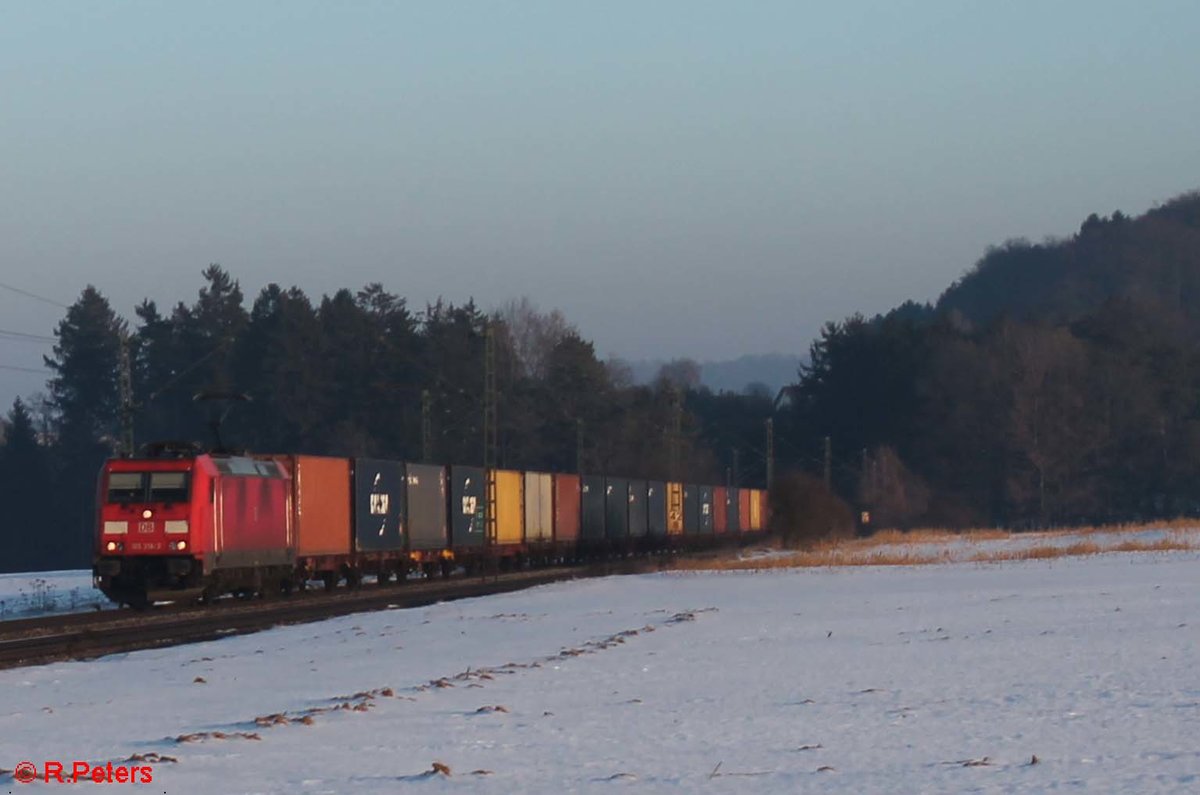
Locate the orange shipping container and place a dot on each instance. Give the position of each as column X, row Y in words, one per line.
column 720, row 509
column 674, row 509
column 756, row 509
column 508, row 507
column 744, row 509
column 764, row 510
column 320, row 504
column 567, row 497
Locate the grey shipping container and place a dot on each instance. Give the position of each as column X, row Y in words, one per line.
column 616, row 509
column 468, row 507
column 691, row 509
column 539, row 507
column 426, row 503
column 731, row 523
column 379, row 491
column 706, row 510
column 591, row 501
column 637, row 508
column 656, row 508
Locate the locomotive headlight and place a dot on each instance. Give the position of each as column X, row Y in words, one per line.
column 111, row 546
column 181, row 545
column 146, row 514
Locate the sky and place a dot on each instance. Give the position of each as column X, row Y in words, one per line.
column 680, row 178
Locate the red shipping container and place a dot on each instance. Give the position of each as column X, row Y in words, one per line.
column 320, row 504
column 566, row 508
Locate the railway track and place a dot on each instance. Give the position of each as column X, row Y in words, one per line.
column 81, row 636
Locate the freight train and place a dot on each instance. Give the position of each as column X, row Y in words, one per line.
column 182, row 524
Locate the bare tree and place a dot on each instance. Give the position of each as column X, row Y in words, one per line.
column 532, row 334
column 683, row 374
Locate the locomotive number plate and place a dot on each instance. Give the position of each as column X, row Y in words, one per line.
column 145, row 527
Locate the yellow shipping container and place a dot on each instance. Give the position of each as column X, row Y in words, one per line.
column 756, row 509
column 508, row 509
column 539, row 507
column 674, row 509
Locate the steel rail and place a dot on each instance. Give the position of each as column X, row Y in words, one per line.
column 89, row 635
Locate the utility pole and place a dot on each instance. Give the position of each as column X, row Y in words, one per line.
column 426, row 426
column 579, row 446
column 126, row 389
column 675, row 435
column 770, row 452
column 828, row 462
column 737, row 472
column 490, row 430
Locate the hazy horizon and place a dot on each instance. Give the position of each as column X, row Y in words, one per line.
column 681, row 179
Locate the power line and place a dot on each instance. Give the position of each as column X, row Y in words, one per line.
column 34, row 296
column 20, row 336
column 22, row 369
column 179, row 375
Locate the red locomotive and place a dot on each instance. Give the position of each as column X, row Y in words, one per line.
column 182, row 526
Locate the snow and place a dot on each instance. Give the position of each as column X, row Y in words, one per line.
column 938, row 678
column 45, row 592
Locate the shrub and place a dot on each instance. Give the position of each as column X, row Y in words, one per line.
column 804, row 511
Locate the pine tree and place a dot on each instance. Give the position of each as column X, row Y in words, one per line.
column 84, row 388
column 275, row 364
column 26, row 491
column 85, row 396
column 203, row 337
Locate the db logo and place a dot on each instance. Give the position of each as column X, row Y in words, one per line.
column 25, row 772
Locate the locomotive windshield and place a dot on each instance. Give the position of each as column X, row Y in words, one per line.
column 168, row 486
column 125, row 486
column 148, row 487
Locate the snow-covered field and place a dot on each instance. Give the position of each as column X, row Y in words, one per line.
column 942, row 678
column 40, row 593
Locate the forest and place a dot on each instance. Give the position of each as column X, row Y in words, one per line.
column 1053, row 383
column 354, row 374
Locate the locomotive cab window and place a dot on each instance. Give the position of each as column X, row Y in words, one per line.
column 168, row 486
column 125, row 486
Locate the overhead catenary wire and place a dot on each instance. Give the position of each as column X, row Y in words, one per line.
column 34, row 296
column 21, row 336
column 185, row 371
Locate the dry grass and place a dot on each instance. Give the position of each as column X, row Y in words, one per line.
column 1043, row 552
column 930, row 545
column 931, row 535
column 1175, row 543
